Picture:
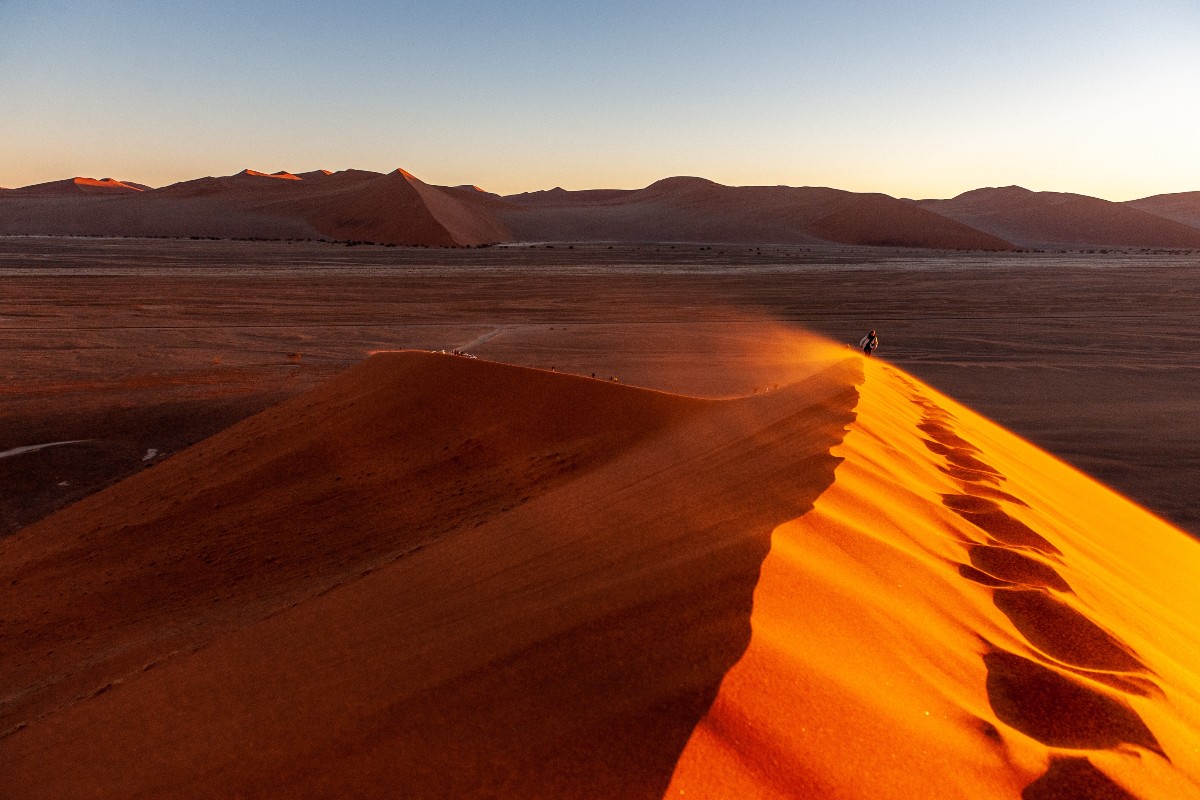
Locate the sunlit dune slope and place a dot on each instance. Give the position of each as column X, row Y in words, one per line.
column 961, row 615
column 442, row 577
column 78, row 186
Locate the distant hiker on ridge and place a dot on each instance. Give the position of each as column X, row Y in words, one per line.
column 869, row 342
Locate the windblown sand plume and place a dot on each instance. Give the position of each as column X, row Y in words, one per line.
column 443, row 577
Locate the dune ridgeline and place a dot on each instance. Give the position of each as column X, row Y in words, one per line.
column 443, row 577
column 398, row 208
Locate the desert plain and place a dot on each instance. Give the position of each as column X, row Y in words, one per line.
column 133, row 345
column 657, row 539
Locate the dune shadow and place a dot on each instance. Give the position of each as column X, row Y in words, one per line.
column 973, row 477
column 1016, row 567
column 961, row 457
column 1063, row 633
column 943, row 435
column 1074, row 779
column 1058, row 711
column 1136, row 685
column 605, row 707
column 989, row 517
column 975, row 489
column 1041, row 700
column 981, row 577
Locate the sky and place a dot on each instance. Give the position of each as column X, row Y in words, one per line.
column 915, row 100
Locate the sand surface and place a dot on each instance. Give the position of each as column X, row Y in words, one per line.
column 146, row 344
column 434, row 576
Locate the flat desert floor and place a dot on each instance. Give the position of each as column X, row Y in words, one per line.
column 118, row 353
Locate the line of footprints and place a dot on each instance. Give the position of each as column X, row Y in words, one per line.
column 1047, row 698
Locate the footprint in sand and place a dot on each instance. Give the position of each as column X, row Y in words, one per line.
column 1063, row 633
column 987, row 515
column 1074, row 778
column 1015, row 567
column 1058, row 711
column 1042, row 700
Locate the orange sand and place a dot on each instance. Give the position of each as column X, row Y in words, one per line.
column 441, row 577
column 103, row 183
column 959, row 612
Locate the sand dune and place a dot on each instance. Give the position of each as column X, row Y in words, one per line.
column 78, row 186
column 1061, row 219
column 396, row 208
column 354, row 205
column 699, row 210
column 399, row 208
column 441, row 577
column 1181, row 207
column 1017, row 627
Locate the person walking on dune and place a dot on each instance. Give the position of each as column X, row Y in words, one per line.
column 869, row 342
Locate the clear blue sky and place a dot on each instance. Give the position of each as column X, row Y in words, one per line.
column 913, row 99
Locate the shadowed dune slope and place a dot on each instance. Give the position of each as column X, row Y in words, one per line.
column 375, row 208
column 541, row 580
column 1181, row 206
column 1061, row 219
column 439, row 577
column 699, row 210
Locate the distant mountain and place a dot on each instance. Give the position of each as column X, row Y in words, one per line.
column 399, row 208
column 698, row 210
column 352, row 205
column 1181, row 207
column 1060, row 219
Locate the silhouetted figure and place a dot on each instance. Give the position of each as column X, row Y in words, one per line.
column 869, row 343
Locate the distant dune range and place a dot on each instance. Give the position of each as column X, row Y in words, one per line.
column 1059, row 219
column 398, row 208
column 442, row 577
column 1182, row 206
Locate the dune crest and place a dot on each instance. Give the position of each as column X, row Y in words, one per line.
column 282, row 175
column 79, row 186
column 400, row 209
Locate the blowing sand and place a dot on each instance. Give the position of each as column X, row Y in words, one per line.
column 442, row 577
